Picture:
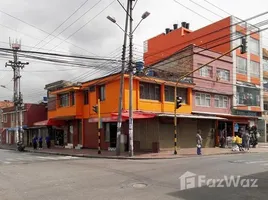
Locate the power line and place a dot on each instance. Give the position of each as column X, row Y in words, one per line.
column 62, row 22
column 33, row 26
column 202, row 36
column 85, row 24
column 73, row 22
column 192, row 10
column 206, row 8
column 62, row 55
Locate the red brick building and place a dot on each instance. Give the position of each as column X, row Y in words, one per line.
column 31, row 113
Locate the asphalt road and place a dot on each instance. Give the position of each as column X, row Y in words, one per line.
column 34, row 176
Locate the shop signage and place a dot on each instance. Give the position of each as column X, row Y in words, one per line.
column 245, row 113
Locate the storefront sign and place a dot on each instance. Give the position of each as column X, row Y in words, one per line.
column 245, row 113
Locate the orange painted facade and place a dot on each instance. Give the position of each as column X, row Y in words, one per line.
column 110, row 104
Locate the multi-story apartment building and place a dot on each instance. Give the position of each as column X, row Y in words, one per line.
column 264, row 123
column 153, row 104
column 221, row 36
column 31, row 113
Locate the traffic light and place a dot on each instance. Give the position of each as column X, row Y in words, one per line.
column 178, row 102
column 244, row 45
column 95, row 108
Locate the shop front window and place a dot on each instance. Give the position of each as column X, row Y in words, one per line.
column 248, row 96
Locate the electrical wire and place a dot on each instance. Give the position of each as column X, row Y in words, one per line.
column 73, row 23
column 207, row 34
column 84, row 25
column 62, row 23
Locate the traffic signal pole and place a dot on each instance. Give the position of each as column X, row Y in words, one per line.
column 99, row 128
column 243, row 50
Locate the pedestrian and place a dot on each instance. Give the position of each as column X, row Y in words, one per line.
column 40, row 142
column 48, row 141
column 247, row 139
column 35, row 142
column 198, row 142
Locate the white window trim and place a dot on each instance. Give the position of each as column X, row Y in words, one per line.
column 224, row 98
column 5, row 118
column 206, row 74
column 207, row 96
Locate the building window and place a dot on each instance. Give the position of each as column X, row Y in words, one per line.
column 223, row 74
column 265, row 105
column 265, row 65
column 247, row 96
column 181, row 92
column 254, row 46
column 150, row 91
column 202, row 99
column 5, row 118
column 64, row 100
column 265, row 84
column 72, row 94
column 241, row 65
column 102, row 93
column 86, row 97
column 205, row 71
column 221, row 101
column 254, row 69
column 107, row 132
column 12, row 117
column 238, row 37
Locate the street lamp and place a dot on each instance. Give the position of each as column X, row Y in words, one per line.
column 119, row 123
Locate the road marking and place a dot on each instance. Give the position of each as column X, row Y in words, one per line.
column 10, row 159
column 5, row 162
column 254, row 162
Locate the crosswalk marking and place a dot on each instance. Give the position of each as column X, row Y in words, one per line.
column 35, row 158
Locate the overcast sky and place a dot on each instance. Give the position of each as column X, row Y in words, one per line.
column 98, row 36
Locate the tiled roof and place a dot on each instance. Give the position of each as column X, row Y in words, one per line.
column 5, row 104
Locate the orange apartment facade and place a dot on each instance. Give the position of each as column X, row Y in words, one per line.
column 247, row 73
column 153, row 119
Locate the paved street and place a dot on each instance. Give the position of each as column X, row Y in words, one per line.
column 35, row 176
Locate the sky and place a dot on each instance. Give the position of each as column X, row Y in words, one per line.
column 89, row 33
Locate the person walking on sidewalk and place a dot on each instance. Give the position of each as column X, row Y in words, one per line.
column 198, row 142
column 48, row 141
column 40, row 142
column 35, row 142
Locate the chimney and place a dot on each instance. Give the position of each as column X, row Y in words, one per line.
column 167, row 30
column 187, row 26
column 175, row 26
column 183, row 24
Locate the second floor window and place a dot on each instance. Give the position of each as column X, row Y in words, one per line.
column 265, row 65
column 265, row 105
column 181, row 92
column 12, row 117
column 265, row 84
column 205, row 71
column 5, row 118
column 150, row 91
column 72, row 94
column 223, row 74
column 247, row 96
column 221, row 101
column 86, row 97
column 102, row 92
column 202, row 99
column 64, row 100
column 241, row 65
column 254, row 46
column 254, row 69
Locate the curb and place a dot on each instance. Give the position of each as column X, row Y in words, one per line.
column 129, row 158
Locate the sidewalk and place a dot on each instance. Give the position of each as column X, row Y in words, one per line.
column 92, row 153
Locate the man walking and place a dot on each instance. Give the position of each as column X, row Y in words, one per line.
column 199, row 142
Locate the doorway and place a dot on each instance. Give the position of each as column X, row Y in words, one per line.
column 113, row 132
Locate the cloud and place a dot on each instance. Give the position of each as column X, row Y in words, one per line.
column 99, row 36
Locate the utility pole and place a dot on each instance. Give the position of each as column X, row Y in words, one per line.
column 131, row 148
column 120, row 106
column 177, row 100
column 17, row 95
